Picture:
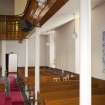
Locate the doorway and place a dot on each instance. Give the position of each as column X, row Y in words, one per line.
column 11, row 63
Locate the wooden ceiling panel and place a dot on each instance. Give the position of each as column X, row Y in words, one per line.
column 39, row 15
column 30, row 10
column 51, row 11
column 17, row 28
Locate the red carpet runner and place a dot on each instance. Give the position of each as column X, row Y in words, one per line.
column 15, row 97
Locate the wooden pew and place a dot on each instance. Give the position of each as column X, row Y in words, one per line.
column 59, row 86
column 96, row 100
column 98, row 86
column 2, row 87
column 45, row 78
column 48, row 78
column 64, row 101
column 98, row 91
column 98, row 83
column 55, row 92
column 57, row 95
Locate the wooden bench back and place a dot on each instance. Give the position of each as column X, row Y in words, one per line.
column 2, row 87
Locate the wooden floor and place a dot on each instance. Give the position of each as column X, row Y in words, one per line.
column 58, row 88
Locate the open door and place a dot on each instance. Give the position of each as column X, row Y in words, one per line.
column 11, row 63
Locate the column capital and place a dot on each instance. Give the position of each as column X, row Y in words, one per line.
column 26, row 39
column 49, row 32
column 38, row 31
column 52, row 32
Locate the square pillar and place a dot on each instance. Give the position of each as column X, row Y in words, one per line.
column 26, row 65
column 37, row 62
column 85, row 52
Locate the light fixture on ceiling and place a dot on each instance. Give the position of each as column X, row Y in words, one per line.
column 41, row 3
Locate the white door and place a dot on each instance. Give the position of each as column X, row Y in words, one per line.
column 12, row 62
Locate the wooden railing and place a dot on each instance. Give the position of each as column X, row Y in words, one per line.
column 10, row 28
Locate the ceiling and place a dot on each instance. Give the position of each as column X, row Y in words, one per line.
column 63, row 13
column 38, row 16
column 12, row 7
column 97, row 3
column 13, row 27
column 19, row 6
column 6, row 7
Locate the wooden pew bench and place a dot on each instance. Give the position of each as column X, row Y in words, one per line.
column 57, row 95
column 98, row 91
column 97, row 83
column 64, row 101
column 96, row 100
column 2, row 87
column 59, row 86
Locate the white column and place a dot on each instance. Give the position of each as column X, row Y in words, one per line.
column 3, row 58
column 85, row 52
column 37, row 62
column 52, row 49
column 26, row 65
column 77, row 45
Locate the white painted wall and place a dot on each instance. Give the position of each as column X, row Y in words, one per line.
column 52, row 49
column 19, row 49
column 65, row 47
column 6, row 7
column 44, row 51
column 12, row 62
column 98, row 26
column 47, row 51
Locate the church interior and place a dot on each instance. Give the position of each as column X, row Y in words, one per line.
column 40, row 52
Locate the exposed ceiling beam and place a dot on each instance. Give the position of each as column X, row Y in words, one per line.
column 49, row 12
column 38, row 16
column 11, row 28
